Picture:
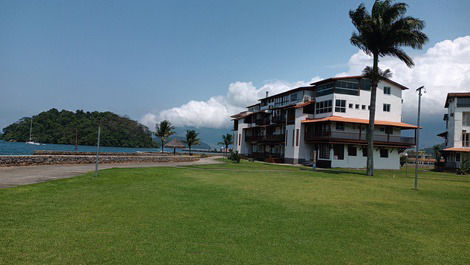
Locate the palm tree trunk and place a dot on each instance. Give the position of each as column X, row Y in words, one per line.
column 370, row 129
column 189, row 149
column 163, row 145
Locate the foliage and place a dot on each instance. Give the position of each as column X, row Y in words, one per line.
column 234, row 156
column 247, row 213
column 227, row 139
column 464, row 168
column 191, row 139
column 383, row 32
column 164, row 130
column 403, row 160
column 62, row 127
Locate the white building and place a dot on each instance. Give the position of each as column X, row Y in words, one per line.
column 457, row 134
column 325, row 122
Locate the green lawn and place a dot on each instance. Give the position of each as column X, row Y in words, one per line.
column 248, row 213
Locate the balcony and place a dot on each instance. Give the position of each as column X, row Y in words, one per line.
column 270, row 157
column 278, row 120
column 265, row 138
column 264, row 121
column 357, row 137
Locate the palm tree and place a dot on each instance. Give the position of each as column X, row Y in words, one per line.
column 226, row 141
column 191, row 139
column 164, row 130
column 380, row 33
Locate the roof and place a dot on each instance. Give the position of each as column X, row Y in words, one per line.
column 304, row 104
column 289, row 91
column 253, row 105
column 457, row 149
column 456, row 95
column 442, row 134
column 361, row 121
column 357, row 77
column 241, row 115
column 175, row 143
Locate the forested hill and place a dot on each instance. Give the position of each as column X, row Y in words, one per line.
column 61, row 127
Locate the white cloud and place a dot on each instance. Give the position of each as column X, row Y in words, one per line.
column 216, row 111
column 443, row 68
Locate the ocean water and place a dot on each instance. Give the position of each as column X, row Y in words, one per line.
column 20, row 148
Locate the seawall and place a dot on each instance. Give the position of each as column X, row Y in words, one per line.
column 8, row 161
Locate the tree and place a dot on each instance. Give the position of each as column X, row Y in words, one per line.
column 226, row 141
column 382, row 33
column 191, row 139
column 164, row 130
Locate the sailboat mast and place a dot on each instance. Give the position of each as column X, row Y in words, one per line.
column 31, row 130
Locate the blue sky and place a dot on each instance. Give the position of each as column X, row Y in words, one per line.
column 136, row 57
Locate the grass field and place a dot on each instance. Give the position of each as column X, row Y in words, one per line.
column 248, row 213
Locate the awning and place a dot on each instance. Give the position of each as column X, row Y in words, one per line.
column 457, row 149
column 361, row 121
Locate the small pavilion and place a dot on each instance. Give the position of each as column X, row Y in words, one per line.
column 175, row 143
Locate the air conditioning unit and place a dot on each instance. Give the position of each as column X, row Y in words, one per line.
column 307, row 98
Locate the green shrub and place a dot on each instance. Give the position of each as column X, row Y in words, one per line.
column 234, row 156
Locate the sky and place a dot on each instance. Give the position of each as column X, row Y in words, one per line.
column 197, row 62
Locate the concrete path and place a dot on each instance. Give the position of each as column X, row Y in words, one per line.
column 23, row 175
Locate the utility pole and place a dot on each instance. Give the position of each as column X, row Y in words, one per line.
column 420, row 93
column 98, row 150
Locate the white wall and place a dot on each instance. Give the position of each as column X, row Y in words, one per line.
column 359, row 161
column 394, row 99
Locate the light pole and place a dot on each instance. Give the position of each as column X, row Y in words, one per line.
column 420, row 89
column 98, row 150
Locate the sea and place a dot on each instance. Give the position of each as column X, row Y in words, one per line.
column 20, row 148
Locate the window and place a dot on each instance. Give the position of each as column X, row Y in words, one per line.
column 340, row 126
column 457, row 157
column 324, row 151
column 293, row 136
column 324, row 106
column 351, row 105
column 293, row 97
column 463, row 102
column 364, row 151
column 338, row 150
column 387, row 90
column 384, row 153
column 387, row 107
column 239, row 139
column 466, row 119
column 297, row 137
column 388, row 130
column 340, row 105
column 352, row 150
column 363, row 107
column 465, row 139
column 357, row 106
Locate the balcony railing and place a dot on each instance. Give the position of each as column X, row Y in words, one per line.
column 262, row 122
column 265, row 138
column 266, row 155
column 345, row 136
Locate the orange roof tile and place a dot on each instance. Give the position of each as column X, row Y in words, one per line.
column 361, row 121
column 303, row 104
column 457, row 149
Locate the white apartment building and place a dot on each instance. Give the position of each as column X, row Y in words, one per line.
column 325, row 122
column 457, row 134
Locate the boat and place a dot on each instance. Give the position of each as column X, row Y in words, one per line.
column 31, row 134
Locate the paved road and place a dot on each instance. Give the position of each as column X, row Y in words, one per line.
column 16, row 176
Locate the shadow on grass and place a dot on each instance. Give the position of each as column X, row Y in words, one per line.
column 342, row 172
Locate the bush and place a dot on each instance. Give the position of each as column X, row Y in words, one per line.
column 203, row 156
column 234, row 156
column 464, row 168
